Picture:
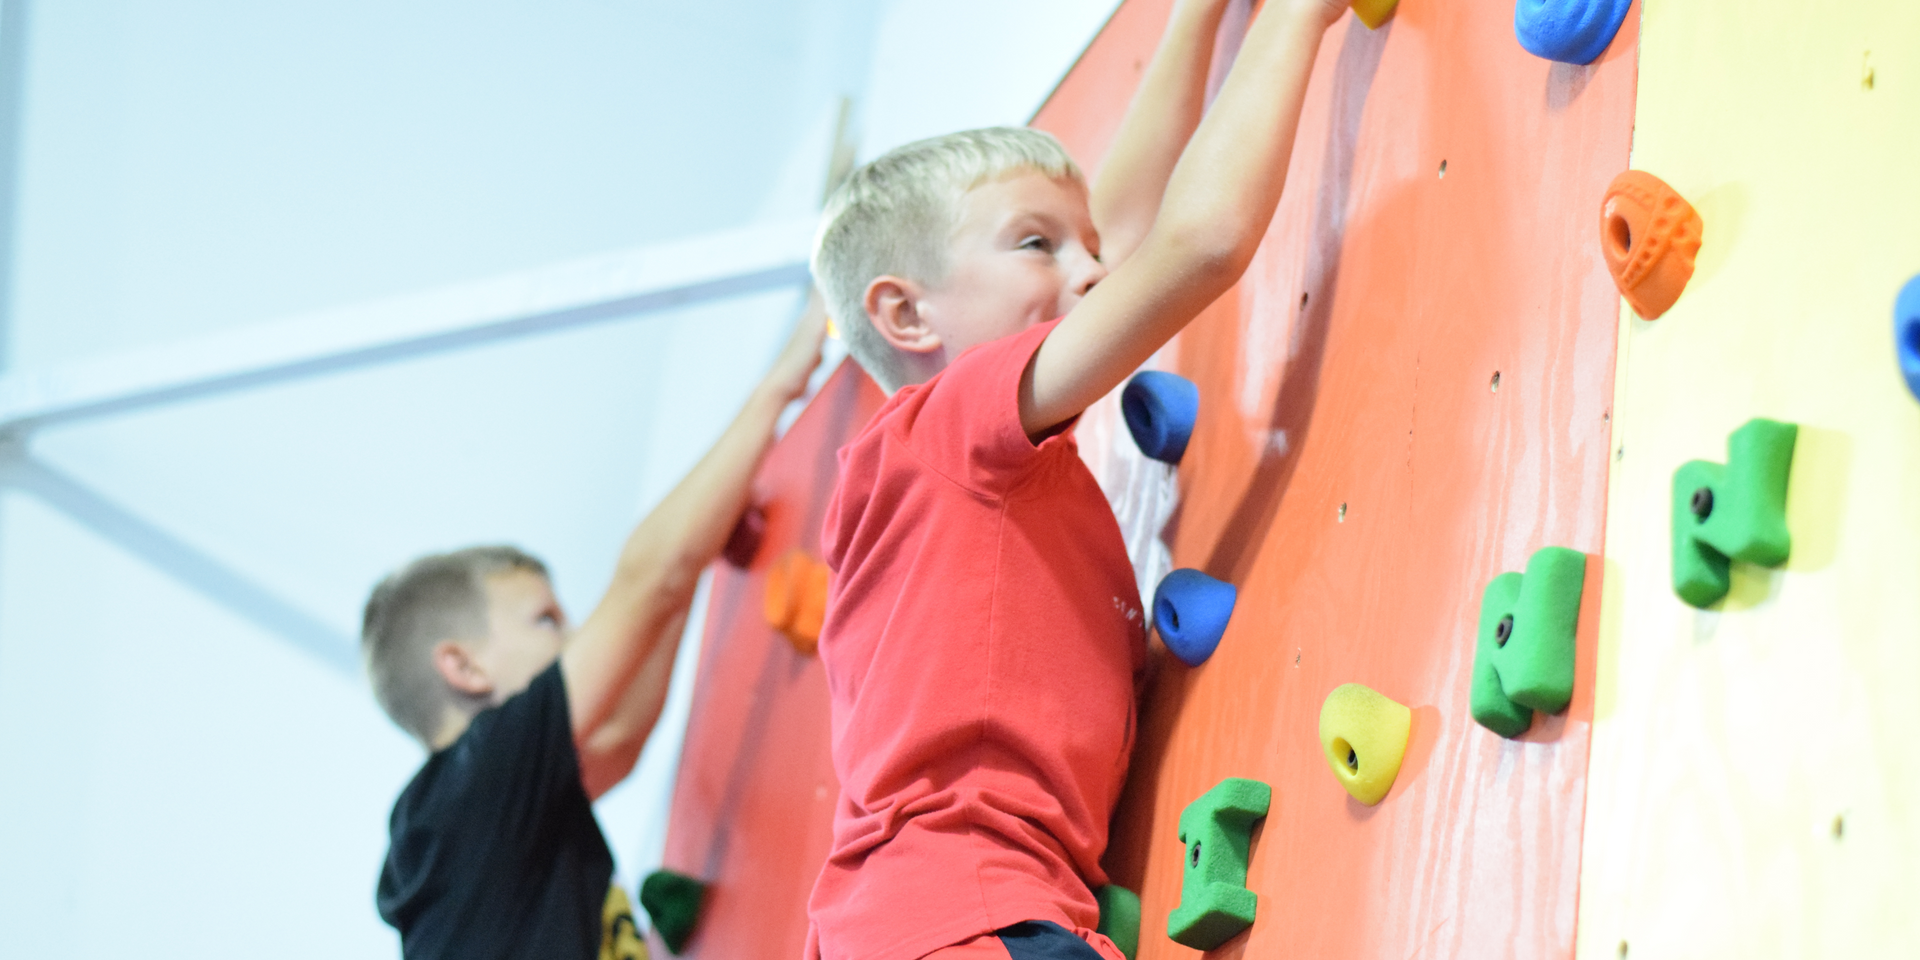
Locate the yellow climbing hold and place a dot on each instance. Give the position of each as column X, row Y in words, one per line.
column 1373, row 13
column 1364, row 736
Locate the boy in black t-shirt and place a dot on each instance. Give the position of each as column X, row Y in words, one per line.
column 495, row 851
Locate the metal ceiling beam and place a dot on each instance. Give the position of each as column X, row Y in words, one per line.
column 184, row 562
column 717, row 266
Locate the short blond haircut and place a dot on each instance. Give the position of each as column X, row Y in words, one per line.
column 896, row 216
column 438, row 597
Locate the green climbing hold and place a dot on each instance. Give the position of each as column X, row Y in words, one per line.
column 1732, row 512
column 1217, row 829
column 1489, row 703
column 672, row 900
column 1120, row 917
column 1524, row 652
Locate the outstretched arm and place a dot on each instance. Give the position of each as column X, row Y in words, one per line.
column 1172, row 96
column 617, row 665
column 1218, row 203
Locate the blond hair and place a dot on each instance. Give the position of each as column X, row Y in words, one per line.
column 441, row 596
column 895, row 216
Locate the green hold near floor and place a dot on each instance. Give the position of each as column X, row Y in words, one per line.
column 1120, row 917
column 672, row 900
column 1217, row 829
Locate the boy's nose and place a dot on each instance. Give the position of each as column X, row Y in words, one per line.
column 1090, row 273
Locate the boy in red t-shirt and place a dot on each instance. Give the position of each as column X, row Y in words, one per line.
column 984, row 637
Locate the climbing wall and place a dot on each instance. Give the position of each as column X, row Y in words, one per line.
column 1408, row 395
column 753, row 803
column 1754, row 773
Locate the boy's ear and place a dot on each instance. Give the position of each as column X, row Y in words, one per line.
column 893, row 307
column 456, row 665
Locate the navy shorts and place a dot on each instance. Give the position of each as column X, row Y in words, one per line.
column 1044, row 940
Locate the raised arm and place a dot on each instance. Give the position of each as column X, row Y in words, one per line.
column 1218, row 203
column 617, row 665
column 1172, row 96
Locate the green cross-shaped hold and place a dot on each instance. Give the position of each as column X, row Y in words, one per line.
column 1732, row 512
column 1215, row 903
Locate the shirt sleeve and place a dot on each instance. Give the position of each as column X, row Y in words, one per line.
column 491, row 808
column 967, row 426
column 519, row 757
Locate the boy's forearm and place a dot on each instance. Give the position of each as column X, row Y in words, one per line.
column 1166, row 109
column 661, row 563
column 1223, row 192
column 691, row 524
column 617, row 744
column 1219, row 202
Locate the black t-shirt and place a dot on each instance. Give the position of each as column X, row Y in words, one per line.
column 495, row 851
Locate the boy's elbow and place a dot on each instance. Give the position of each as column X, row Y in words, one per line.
column 606, row 759
column 1213, row 257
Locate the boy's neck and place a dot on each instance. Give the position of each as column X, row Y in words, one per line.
column 453, row 725
column 918, row 368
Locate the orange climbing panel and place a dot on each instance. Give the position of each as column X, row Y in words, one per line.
column 1406, row 396
column 753, row 804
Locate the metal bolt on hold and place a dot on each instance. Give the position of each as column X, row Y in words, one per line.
column 1702, row 503
column 1504, row 630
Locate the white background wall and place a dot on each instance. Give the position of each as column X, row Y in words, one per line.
column 176, row 780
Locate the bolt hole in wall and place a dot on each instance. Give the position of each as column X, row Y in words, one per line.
column 1839, row 826
column 1493, row 386
column 1443, row 170
column 1303, row 301
column 1342, row 517
column 1623, row 949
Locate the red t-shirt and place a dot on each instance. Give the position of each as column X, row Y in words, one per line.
column 983, row 645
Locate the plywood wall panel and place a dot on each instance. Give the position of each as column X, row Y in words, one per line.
column 1754, row 779
column 1351, row 368
column 1373, row 393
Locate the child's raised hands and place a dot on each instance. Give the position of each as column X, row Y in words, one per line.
column 790, row 371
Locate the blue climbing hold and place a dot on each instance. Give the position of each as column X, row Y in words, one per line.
column 1160, row 408
column 1570, row 31
column 1906, row 333
column 1191, row 610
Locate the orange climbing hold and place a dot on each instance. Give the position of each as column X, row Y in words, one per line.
column 1650, row 234
column 796, row 601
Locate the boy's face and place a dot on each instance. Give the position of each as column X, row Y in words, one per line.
column 1024, row 252
column 525, row 631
